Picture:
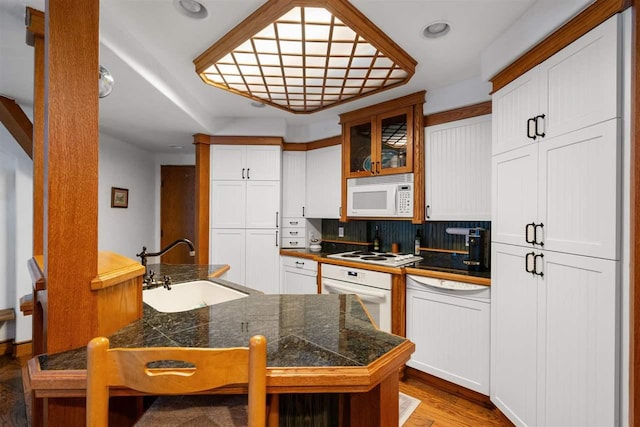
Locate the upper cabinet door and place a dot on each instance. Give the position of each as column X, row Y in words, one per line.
column 580, row 83
column 359, row 147
column 579, row 197
column 514, row 110
column 394, row 152
column 293, row 183
column 458, row 170
column 263, row 162
column 228, row 162
column 323, row 183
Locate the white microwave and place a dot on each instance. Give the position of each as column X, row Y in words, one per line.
column 389, row 196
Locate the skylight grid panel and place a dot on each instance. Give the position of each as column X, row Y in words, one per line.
column 291, row 60
column 234, row 78
column 341, row 48
column 266, row 46
column 398, row 74
column 292, row 72
column 317, row 15
column 289, row 31
column 316, row 32
column 383, row 62
column 274, row 81
column 245, row 58
column 290, row 47
column 315, row 71
column 250, row 70
column 225, row 69
column 315, row 62
column 342, row 33
column 268, row 32
column 253, row 80
column 316, row 48
column 271, row 71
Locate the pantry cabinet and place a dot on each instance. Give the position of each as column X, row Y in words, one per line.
column 556, row 207
column 323, row 186
column 293, row 199
column 245, row 213
column 554, row 335
column 458, row 170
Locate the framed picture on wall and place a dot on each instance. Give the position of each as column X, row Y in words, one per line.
column 119, row 197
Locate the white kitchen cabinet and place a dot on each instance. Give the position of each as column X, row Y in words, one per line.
column 575, row 88
column 555, row 230
column 262, row 261
column 458, row 170
column 245, row 204
column 554, row 332
column 324, row 182
column 228, row 246
column 450, row 329
column 299, row 275
column 246, row 162
column 293, row 183
column 565, row 190
column 252, row 255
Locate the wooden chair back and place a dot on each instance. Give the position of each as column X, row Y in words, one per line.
column 212, row 368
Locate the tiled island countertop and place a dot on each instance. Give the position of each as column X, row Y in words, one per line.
column 316, row 343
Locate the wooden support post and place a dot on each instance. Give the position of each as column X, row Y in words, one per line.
column 71, row 173
column 202, row 145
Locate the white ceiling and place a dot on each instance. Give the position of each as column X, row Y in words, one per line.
column 158, row 100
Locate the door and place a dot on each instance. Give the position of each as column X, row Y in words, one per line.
column 580, row 192
column 514, row 351
column 263, row 261
column 324, row 185
column 177, row 211
column 263, row 162
column 227, row 204
column 228, row 162
column 293, row 183
column 513, row 108
column 228, row 247
column 515, row 193
column 577, row 341
column 262, row 204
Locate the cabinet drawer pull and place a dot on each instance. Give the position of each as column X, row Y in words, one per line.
column 528, row 260
column 426, row 211
column 535, row 234
column 293, row 233
column 299, row 263
column 527, row 233
column 535, row 265
column 277, row 213
column 292, row 243
column 378, row 167
column 536, row 120
column 529, row 135
column 243, row 173
column 248, row 177
column 302, row 212
column 276, row 238
column 293, row 222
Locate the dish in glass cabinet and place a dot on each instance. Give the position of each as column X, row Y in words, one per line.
column 366, row 165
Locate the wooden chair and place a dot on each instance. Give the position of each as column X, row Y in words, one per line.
column 128, row 367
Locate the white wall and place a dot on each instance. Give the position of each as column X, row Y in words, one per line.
column 540, row 20
column 460, row 94
column 16, row 240
column 122, row 165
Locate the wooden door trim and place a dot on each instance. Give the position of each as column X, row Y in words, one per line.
column 585, row 21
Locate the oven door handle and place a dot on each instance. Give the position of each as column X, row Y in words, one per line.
column 368, row 296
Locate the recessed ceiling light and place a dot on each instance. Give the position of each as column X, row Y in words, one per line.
column 436, row 29
column 175, row 147
column 190, row 8
column 257, row 104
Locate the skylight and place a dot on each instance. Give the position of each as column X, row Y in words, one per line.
column 305, row 56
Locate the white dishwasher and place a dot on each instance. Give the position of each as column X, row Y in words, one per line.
column 449, row 322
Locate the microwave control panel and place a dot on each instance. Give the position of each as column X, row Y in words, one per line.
column 405, row 200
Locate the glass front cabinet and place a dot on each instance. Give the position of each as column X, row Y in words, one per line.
column 378, row 140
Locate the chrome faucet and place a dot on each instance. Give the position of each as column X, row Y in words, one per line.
column 149, row 281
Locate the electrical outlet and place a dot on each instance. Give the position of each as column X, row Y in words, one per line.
column 340, row 231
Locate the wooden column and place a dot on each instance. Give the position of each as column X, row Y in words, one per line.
column 202, row 144
column 35, row 38
column 71, row 170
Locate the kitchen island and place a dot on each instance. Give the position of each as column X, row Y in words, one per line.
column 316, row 344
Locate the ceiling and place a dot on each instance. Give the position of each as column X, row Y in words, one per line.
column 159, row 101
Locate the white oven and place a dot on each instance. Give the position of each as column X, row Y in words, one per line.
column 373, row 288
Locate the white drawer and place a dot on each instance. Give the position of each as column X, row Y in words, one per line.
column 292, row 242
column 292, row 232
column 301, row 263
column 293, row 222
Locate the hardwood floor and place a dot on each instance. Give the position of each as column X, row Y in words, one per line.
column 438, row 408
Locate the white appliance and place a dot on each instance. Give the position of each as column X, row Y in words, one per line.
column 449, row 322
column 379, row 258
column 373, row 288
column 381, row 196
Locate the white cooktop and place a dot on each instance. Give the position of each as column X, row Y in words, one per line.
column 380, row 258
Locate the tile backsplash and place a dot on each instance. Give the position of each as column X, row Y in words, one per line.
column 433, row 234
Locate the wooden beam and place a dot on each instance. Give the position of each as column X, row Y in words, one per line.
column 35, row 25
column 458, row 114
column 38, row 144
column 71, row 173
column 598, row 12
column 203, row 166
column 17, row 123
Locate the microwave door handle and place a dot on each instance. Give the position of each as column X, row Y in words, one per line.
column 395, row 200
column 369, row 296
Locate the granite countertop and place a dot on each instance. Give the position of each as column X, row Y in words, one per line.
column 301, row 330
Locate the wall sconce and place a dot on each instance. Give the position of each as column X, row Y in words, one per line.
column 105, row 82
